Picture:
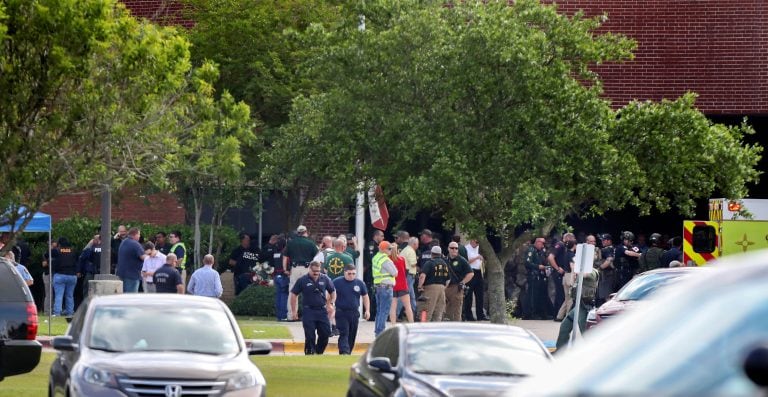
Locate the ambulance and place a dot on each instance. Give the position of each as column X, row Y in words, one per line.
column 734, row 226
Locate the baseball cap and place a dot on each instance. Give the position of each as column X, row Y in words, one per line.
column 606, row 236
column 384, row 245
column 436, row 250
column 301, row 229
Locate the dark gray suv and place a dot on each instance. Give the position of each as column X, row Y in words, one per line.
column 19, row 351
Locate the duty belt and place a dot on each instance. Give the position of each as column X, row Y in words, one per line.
column 302, row 264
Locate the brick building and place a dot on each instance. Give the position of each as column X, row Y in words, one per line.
column 716, row 48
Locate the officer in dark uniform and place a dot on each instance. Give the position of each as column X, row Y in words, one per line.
column 536, row 304
column 607, row 269
column 89, row 262
column 371, row 249
column 272, row 253
column 627, row 264
column 316, row 309
column 651, row 259
column 349, row 290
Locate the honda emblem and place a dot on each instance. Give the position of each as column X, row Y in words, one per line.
column 173, row 391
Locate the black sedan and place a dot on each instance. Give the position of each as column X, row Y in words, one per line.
column 155, row 345
column 447, row 359
column 19, row 351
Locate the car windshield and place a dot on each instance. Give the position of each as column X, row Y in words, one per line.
column 640, row 287
column 476, row 353
column 132, row 329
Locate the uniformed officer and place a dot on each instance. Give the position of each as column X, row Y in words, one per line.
column 371, row 248
column 318, row 305
column 536, row 304
column 607, row 270
column 298, row 254
column 651, row 259
column 627, row 264
column 272, row 252
column 432, row 280
column 588, row 289
column 461, row 273
column 349, row 289
column 241, row 261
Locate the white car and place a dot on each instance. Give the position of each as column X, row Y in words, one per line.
column 155, row 345
column 704, row 336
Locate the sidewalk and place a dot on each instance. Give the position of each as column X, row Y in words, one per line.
column 546, row 330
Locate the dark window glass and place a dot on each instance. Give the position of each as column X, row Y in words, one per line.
column 704, row 239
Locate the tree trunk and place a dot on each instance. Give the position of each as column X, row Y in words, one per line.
column 494, row 272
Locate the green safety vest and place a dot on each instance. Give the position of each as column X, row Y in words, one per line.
column 378, row 274
column 183, row 260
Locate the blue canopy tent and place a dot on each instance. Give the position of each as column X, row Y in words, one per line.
column 40, row 223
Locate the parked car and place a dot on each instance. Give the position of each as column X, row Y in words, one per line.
column 155, row 344
column 705, row 336
column 19, row 351
column 447, row 359
column 638, row 289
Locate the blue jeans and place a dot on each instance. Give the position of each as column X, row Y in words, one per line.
column 64, row 287
column 281, row 296
column 131, row 286
column 383, row 303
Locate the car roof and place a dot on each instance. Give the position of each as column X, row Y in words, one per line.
column 458, row 327
column 182, row 301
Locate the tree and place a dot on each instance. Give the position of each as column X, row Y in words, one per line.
column 489, row 113
column 85, row 94
column 208, row 163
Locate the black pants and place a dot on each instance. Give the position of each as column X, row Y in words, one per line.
column 476, row 289
column 559, row 291
column 317, row 330
column 346, row 322
column 536, row 304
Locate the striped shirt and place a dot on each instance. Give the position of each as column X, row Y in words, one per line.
column 205, row 282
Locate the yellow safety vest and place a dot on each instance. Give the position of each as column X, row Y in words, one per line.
column 378, row 274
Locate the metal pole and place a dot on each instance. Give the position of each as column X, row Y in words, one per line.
column 50, row 284
column 106, row 230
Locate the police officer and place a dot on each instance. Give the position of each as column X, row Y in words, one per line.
column 588, row 289
column 651, row 259
column 559, row 260
column 607, row 270
column 432, row 280
column 298, row 254
column 461, row 273
column 371, row 248
column 318, row 305
column 272, row 252
column 536, row 304
column 349, row 289
column 89, row 262
column 241, row 261
column 626, row 259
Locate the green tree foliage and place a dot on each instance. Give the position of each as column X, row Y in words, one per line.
column 85, row 91
column 489, row 113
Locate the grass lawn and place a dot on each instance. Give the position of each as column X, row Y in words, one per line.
column 262, row 328
column 58, row 325
column 286, row 376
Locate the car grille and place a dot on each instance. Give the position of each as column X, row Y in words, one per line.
column 171, row 387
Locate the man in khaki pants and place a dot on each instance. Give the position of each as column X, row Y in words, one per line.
column 434, row 275
column 461, row 273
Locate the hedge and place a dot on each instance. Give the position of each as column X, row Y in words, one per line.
column 256, row 300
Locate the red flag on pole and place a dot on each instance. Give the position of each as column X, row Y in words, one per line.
column 378, row 208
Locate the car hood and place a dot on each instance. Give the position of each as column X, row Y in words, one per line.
column 468, row 386
column 614, row 306
column 178, row 365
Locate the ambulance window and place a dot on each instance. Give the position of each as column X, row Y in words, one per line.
column 704, row 239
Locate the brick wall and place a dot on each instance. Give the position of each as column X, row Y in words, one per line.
column 128, row 204
column 321, row 222
column 716, row 48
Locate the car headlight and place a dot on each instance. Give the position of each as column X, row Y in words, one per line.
column 99, row 377
column 592, row 315
column 242, row 380
column 412, row 388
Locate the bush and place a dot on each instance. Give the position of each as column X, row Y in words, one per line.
column 256, row 300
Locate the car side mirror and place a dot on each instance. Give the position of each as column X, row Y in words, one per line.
column 756, row 365
column 64, row 343
column 382, row 364
column 258, row 347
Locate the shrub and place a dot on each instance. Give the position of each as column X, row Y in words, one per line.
column 256, row 300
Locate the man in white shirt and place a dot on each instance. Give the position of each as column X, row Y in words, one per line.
column 153, row 261
column 476, row 285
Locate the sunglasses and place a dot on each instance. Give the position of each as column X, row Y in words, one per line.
column 453, row 248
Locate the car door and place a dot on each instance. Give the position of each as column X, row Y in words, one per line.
column 65, row 360
column 375, row 382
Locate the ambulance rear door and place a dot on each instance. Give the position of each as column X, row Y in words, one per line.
column 701, row 241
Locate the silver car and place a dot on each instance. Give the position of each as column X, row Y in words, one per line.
column 704, row 336
column 155, row 345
